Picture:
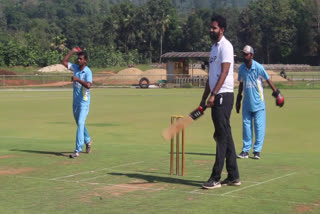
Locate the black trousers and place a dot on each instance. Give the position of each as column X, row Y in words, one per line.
column 225, row 149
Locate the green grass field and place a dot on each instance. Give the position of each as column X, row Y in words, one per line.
column 128, row 169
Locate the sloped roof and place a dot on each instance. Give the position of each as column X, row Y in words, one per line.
column 185, row 55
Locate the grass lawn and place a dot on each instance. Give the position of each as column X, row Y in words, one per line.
column 128, row 169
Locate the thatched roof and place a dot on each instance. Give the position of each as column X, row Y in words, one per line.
column 171, row 55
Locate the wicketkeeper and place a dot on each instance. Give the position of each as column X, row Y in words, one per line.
column 251, row 76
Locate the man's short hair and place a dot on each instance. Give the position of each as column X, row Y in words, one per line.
column 222, row 23
column 84, row 54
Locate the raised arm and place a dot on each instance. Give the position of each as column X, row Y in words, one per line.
column 67, row 57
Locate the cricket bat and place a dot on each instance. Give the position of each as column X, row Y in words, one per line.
column 184, row 122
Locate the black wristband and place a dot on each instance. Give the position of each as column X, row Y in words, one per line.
column 275, row 93
column 213, row 94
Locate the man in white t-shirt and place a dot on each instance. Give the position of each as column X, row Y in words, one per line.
column 220, row 88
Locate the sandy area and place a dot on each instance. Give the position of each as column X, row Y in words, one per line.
column 275, row 77
column 125, row 76
column 57, row 68
column 198, row 72
column 155, row 74
column 131, row 76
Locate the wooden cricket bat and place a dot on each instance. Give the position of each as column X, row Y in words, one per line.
column 183, row 122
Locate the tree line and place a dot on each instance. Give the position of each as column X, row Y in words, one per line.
column 41, row 32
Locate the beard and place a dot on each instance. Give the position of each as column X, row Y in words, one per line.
column 214, row 36
column 246, row 61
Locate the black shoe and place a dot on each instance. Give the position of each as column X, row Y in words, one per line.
column 211, row 184
column 243, row 155
column 256, row 155
column 88, row 147
column 227, row 182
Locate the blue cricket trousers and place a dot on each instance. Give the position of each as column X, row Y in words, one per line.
column 80, row 113
column 257, row 118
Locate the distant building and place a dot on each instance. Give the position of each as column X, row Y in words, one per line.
column 178, row 63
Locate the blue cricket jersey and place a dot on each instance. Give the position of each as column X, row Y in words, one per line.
column 81, row 95
column 252, row 86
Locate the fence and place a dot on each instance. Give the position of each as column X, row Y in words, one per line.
column 106, row 80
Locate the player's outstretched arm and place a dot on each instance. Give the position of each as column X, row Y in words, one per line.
column 239, row 97
column 276, row 94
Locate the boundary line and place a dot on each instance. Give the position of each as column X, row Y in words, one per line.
column 93, row 171
column 258, row 184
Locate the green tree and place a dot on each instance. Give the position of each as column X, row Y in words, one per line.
column 123, row 15
column 275, row 20
column 193, row 33
column 313, row 7
column 160, row 12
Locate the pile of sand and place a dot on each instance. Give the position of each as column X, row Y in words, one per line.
column 197, row 72
column 57, row 68
column 155, row 74
column 130, row 71
column 128, row 74
column 136, row 74
column 275, row 77
column 133, row 76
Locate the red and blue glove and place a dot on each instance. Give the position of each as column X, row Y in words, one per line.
column 279, row 98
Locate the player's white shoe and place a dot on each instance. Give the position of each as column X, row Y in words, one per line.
column 74, row 155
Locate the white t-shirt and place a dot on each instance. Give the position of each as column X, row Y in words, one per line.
column 220, row 53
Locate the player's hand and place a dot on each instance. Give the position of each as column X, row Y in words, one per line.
column 203, row 103
column 74, row 79
column 76, row 49
column 279, row 98
column 210, row 101
column 238, row 103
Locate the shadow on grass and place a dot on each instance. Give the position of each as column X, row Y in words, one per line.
column 88, row 124
column 194, row 153
column 65, row 154
column 61, row 123
column 154, row 179
column 102, row 124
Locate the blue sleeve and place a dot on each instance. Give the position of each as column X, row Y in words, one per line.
column 89, row 76
column 263, row 73
column 71, row 66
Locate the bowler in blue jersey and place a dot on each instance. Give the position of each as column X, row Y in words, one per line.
column 82, row 81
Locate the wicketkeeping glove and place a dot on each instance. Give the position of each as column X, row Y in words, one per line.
column 279, row 98
column 238, row 103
